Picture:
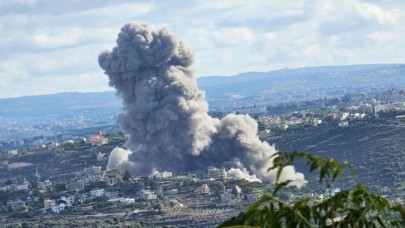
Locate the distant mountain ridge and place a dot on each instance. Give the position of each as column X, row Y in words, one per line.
column 304, row 83
column 57, row 104
column 251, row 87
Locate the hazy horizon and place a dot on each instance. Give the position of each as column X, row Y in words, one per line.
column 109, row 89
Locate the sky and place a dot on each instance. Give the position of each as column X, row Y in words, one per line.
column 51, row 46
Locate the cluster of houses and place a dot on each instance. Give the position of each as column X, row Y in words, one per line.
column 112, row 177
column 307, row 117
column 23, row 185
column 284, row 123
column 58, row 205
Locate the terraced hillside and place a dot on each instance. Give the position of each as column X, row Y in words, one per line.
column 375, row 147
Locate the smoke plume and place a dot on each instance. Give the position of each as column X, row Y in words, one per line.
column 166, row 115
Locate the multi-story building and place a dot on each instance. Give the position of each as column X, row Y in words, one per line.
column 113, row 177
column 203, row 189
column 97, row 192
column 217, row 173
column 45, row 186
column 58, row 208
column 48, row 203
column 69, row 200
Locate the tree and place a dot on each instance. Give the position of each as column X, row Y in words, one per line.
column 217, row 187
column 260, row 126
column 356, row 207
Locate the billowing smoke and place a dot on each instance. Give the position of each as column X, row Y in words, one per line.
column 166, row 115
column 238, row 174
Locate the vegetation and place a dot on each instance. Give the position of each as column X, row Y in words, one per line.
column 356, row 207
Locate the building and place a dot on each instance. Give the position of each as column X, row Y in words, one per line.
column 389, row 107
column 82, row 198
column 97, row 192
column 123, row 200
column 147, row 195
column 98, row 139
column 217, row 173
column 162, row 175
column 111, row 195
column 344, row 116
column 75, row 185
column 251, row 111
column 172, row 191
column 95, row 170
column 23, row 186
column 53, row 146
column 101, row 156
column 69, row 200
column 264, row 133
column 48, row 203
column 238, row 190
column 58, row 208
column 45, row 186
column 343, row 124
column 113, row 177
column 12, row 152
column 203, row 189
column 7, row 187
column 316, row 121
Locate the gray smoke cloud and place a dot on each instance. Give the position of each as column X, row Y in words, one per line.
column 166, row 115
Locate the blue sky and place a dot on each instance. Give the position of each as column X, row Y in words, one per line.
column 50, row 46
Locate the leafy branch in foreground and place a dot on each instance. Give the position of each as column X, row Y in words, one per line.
column 357, row 207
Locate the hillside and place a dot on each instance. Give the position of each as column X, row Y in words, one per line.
column 375, row 147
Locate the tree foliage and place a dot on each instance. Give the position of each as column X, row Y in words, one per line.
column 356, row 207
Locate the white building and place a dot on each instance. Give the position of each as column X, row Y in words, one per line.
column 344, row 116
column 238, row 189
column 58, row 208
column 44, row 186
column 123, row 200
column 148, row 194
column 316, row 121
column 97, row 192
column 7, row 187
column 111, row 195
column 264, row 133
column 12, row 152
column 162, row 175
column 68, row 199
column 343, row 124
column 24, row 186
